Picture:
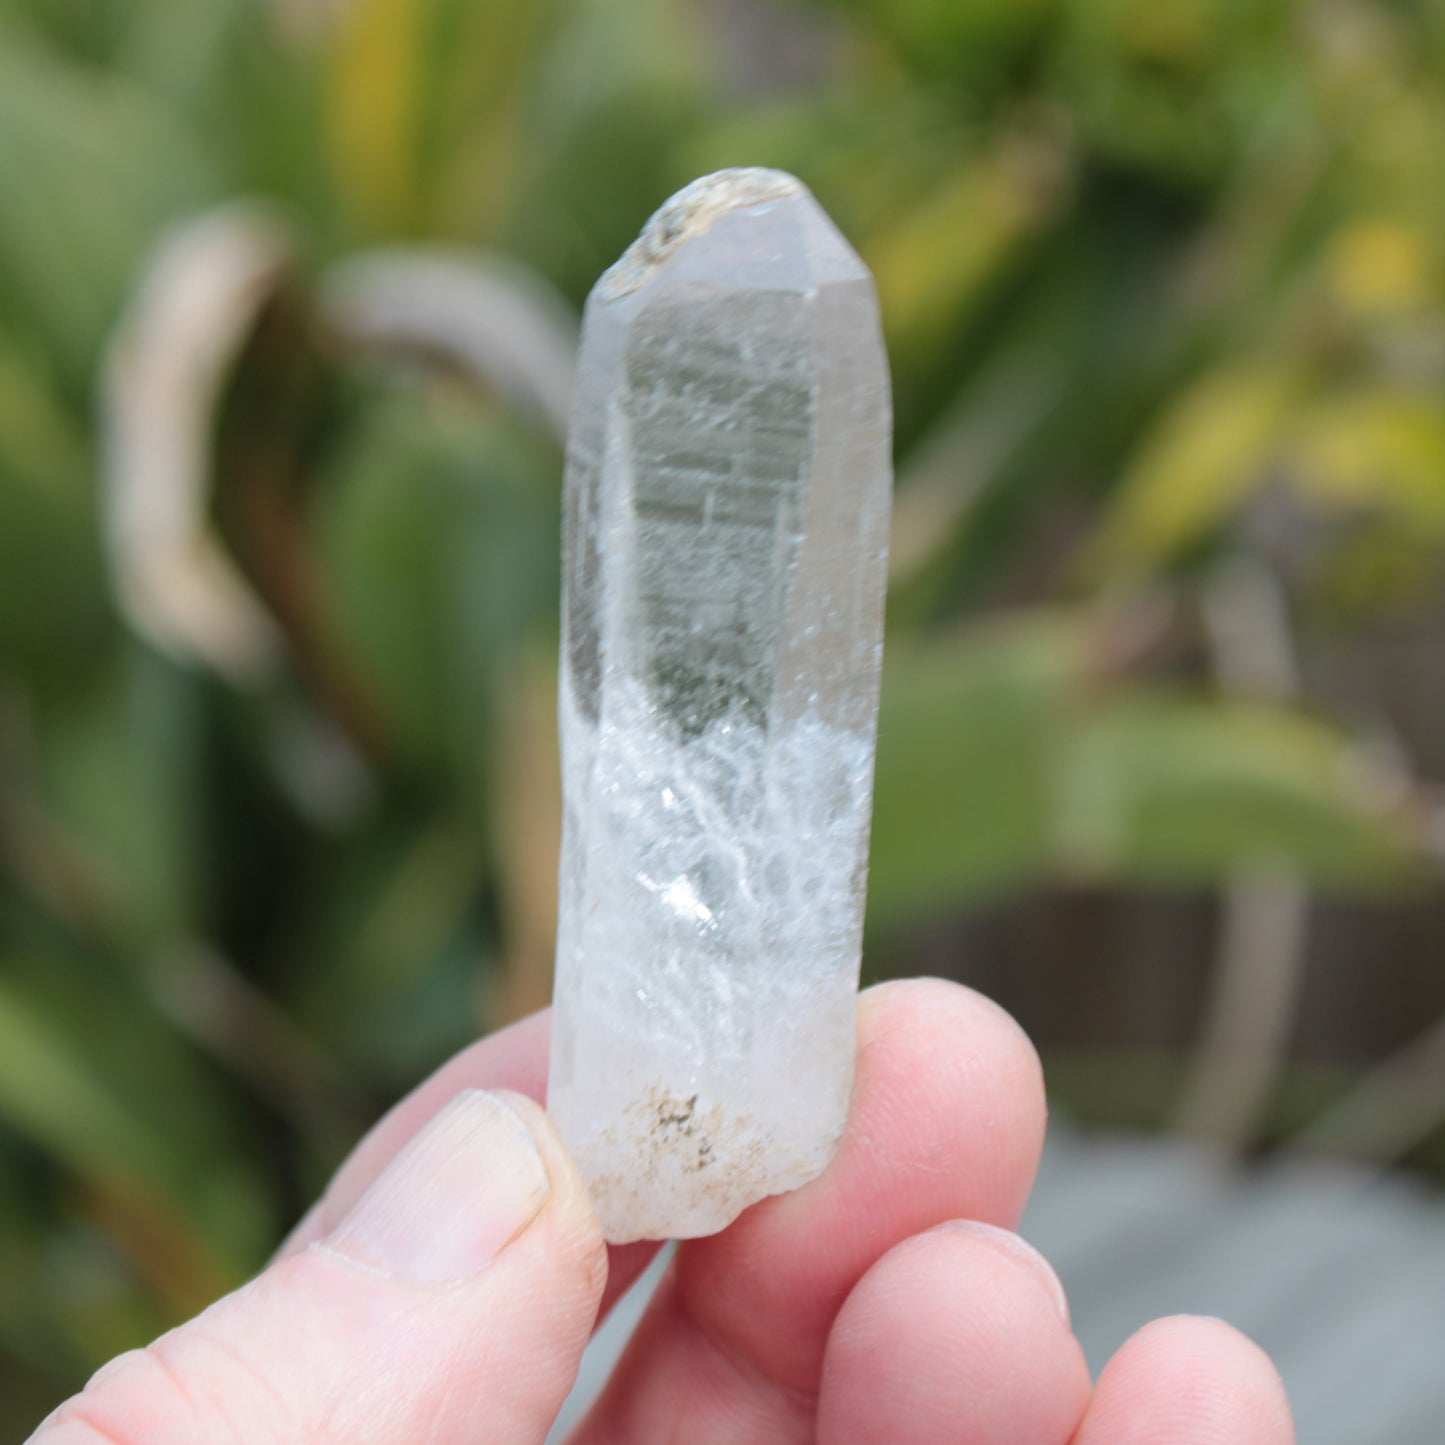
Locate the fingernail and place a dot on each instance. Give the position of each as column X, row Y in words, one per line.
column 454, row 1197
column 1018, row 1250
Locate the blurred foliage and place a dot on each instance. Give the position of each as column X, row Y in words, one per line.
column 1142, row 265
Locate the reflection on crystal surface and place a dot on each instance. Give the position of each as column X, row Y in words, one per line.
column 728, row 491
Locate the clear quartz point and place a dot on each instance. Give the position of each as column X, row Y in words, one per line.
column 727, row 505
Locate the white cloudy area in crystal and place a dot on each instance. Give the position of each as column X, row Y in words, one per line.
column 728, row 494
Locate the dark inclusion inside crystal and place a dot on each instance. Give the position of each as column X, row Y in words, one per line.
column 720, row 415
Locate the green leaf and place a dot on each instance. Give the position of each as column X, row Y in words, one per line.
column 439, row 533
column 1376, row 447
column 1004, row 756
column 126, row 1135
column 121, row 770
column 938, row 259
column 55, row 620
column 967, row 734
column 423, row 113
column 1212, row 445
column 101, row 167
column 1167, row 788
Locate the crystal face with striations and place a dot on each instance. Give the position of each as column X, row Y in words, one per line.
column 727, row 506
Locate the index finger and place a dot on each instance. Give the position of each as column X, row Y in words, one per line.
column 946, row 1122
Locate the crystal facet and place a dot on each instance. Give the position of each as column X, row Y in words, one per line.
column 728, row 491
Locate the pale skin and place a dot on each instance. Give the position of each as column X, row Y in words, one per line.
column 443, row 1289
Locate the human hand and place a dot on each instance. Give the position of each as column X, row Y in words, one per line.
column 444, row 1287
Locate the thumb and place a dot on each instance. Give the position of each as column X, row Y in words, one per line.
column 451, row 1304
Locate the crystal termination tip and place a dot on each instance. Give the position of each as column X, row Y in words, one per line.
column 692, row 210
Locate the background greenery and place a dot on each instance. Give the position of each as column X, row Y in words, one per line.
column 1162, row 285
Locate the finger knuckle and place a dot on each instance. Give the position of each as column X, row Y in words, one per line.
column 130, row 1402
column 188, row 1386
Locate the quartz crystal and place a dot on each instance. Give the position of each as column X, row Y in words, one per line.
column 727, row 504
